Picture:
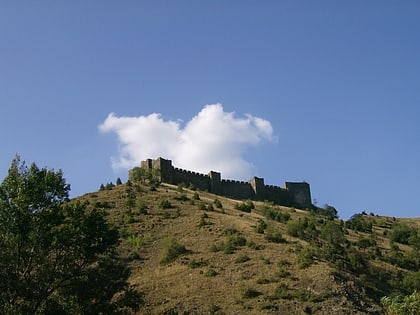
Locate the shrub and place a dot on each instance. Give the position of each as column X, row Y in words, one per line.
column 203, row 221
column 283, row 263
column 305, row 258
column 263, row 280
column 214, row 309
column 171, row 250
column 202, row 206
column 365, row 242
column 141, row 206
column 249, row 293
column 332, row 233
column 182, row 197
column 282, row 273
column 165, row 204
column 282, row 292
column 273, row 235
column 246, row 206
column 411, row 282
column 196, row 196
column 402, row 305
column 261, row 226
column 401, row 233
column 180, row 187
column 230, row 231
column 197, row 264
column 359, row 223
column 230, row 245
column 274, row 214
column 217, row 203
column 254, row 245
column 135, row 241
column 210, row 273
column 242, row 259
column 295, row 228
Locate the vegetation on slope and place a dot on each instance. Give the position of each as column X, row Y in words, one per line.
column 265, row 258
column 190, row 252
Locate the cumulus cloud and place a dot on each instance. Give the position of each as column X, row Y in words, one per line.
column 211, row 140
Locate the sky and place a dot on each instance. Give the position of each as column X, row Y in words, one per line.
column 326, row 92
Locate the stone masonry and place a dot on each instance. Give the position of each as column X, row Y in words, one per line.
column 296, row 194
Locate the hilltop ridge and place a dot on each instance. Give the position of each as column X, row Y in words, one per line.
column 293, row 194
column 194, row 252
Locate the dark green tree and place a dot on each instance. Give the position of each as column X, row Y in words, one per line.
column 56, row 256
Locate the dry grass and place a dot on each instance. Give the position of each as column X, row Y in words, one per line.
column 219, row 285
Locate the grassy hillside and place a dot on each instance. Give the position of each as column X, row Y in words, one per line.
column 196, row 253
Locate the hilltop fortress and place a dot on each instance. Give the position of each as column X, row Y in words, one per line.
column 293, row 194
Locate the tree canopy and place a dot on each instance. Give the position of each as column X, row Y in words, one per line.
column 56, row 256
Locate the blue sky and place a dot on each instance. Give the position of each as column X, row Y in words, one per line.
column 336, row 83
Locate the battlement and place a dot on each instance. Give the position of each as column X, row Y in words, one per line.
column 293, row 194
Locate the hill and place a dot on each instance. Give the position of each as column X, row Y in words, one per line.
column 192, row 252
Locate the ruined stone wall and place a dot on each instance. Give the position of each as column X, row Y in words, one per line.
column 278, row 195
column 198, row 180
column 294, row 194
column 237, row 189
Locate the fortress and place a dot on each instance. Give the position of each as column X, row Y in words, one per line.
column 293, row 194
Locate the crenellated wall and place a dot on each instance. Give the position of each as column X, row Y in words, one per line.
column 294, row 194
column 199, row 181
column 237, row 189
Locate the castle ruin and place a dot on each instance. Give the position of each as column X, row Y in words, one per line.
column 295, row 194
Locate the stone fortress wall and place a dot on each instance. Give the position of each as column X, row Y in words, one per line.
column 296, row 194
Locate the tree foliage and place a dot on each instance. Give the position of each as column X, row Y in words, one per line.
column 56, row 257
column 402, row 305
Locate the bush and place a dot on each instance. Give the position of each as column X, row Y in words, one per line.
column 274, row 235
column 171, row 250
column 202, row 206
column 295, row 228
column 282, row 273
column 181, row 197
column 359, row 223
column 141, row 206
column 197, row 264
column 249, row 293
column 217, row 203
column 261, row 226
column 203, row 221
column 411, row 282
column 246, row 206
column 282, row 292
column 365, row 242
column 401, row 233
column 214, row 309
column 242, row 259
column 274, row 214
column 210, row 273
column 305, row 258
column 180, row 187
column 402, row 305
column 230, row 245
column 165, row 204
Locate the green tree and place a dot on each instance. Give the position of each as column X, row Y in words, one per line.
column 402, row 305
column 332, row 233
column 56, row 257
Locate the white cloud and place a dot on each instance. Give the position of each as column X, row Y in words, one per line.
column 211, row 140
